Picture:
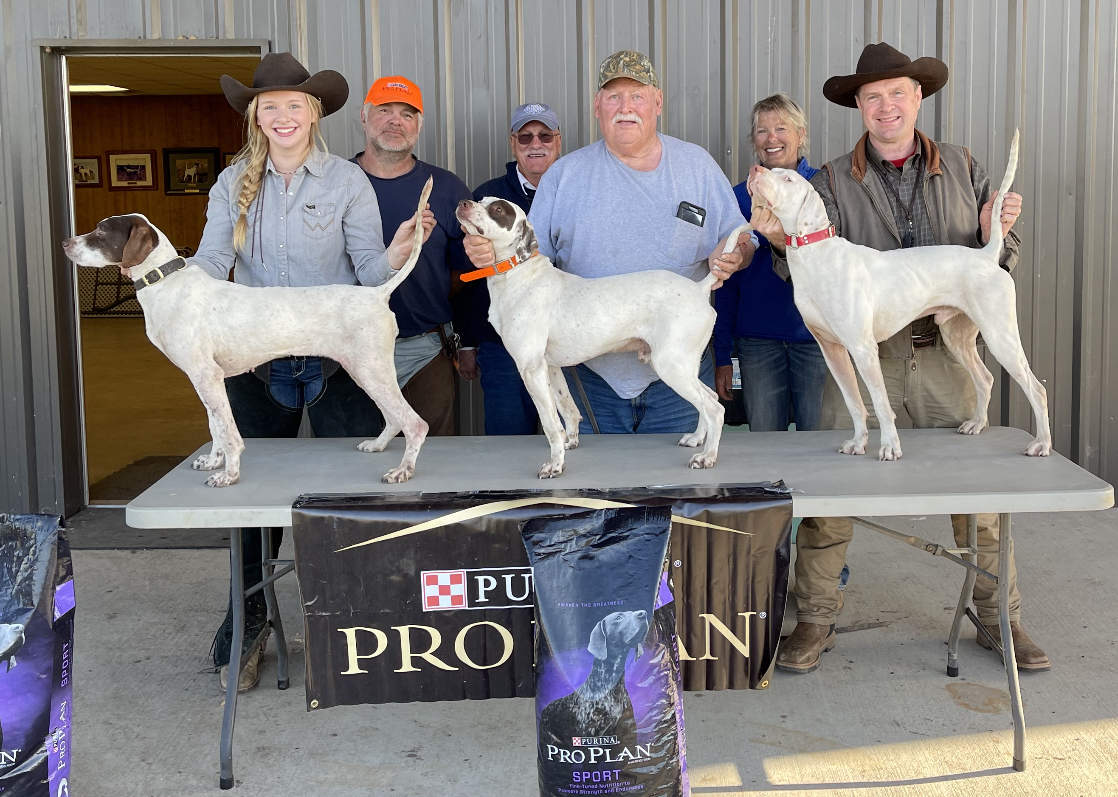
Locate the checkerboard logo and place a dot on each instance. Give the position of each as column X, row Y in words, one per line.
column 444, row 589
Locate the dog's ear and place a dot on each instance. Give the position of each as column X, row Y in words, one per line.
column 525, row 240
column 141, row 240
column 597, row 646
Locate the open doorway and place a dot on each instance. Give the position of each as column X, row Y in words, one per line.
column 149, row 133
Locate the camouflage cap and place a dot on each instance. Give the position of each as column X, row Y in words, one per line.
column 630, row 64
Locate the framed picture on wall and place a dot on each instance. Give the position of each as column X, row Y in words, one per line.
column 189, row 171
column 87, row 171
column 131, row 171
column 227, row 158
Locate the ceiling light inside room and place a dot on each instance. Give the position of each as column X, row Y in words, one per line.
column 94, row 88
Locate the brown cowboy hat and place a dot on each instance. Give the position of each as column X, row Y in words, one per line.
column 281, row 72
column 882, row 62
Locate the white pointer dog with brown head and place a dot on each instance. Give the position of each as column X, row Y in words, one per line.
column 851, row 297
column 548, row 319
column 213, row 329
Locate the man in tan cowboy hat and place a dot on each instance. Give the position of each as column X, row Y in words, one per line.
column 899, row 189
column 635, row 200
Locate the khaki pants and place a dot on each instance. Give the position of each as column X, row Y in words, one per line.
column 929, row 390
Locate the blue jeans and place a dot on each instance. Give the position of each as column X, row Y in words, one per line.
column 508, row 407
column 657, row 410
column 781, row 380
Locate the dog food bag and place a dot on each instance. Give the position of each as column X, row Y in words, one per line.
column 609, row 708
column 36, row 648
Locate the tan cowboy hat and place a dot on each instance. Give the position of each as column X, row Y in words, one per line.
column 882, row 62
column 281, row 72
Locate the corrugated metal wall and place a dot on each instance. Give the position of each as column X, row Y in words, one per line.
column 1045, row 66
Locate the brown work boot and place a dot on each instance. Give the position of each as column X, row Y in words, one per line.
column 801, row 650
column 1028, row 653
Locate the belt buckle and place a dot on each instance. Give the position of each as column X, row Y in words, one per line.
column 156, row 270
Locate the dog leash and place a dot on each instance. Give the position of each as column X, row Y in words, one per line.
column 572, row 372
column 159, row 272
column 497, row 268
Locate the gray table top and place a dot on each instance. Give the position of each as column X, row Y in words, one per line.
column 941, row 472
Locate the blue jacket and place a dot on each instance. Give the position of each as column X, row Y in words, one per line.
column 755, row 302
column 475, row 328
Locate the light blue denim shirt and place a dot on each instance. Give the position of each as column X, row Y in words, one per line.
column 323, row 229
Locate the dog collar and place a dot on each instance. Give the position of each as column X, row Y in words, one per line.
column 159, row 272
column 796, row 241
column 495, row 269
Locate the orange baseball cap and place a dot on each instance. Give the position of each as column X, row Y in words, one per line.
column 395, row 88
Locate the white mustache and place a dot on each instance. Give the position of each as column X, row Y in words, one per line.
column 625, row 117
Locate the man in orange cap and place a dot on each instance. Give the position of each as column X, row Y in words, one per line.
column 899, row 189
column 392, row 118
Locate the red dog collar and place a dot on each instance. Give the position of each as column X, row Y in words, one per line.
column 796, row 241
column 495, row 269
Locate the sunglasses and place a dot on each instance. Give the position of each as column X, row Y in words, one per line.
column 545, row 137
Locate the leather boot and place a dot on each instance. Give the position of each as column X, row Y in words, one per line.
column 801, row 651
column 1028, row 653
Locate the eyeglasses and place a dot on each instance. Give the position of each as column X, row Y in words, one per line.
column 545, row 137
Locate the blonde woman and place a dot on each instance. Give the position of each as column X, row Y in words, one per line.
column 288, row 213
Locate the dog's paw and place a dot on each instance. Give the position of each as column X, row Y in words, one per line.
column 570, row 440
column 973, row 426
column 889, row 452
column 372, row 446
column 398, row 475
column 692, row 440
column 208, row 462
column 702, row 460
column 853, row 446
column 222, row 479
column 1039, row 448
column 549, row 470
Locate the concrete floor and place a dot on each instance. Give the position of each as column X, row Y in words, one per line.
column 880, row 717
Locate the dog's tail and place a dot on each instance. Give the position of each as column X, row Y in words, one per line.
column 394, row 281
column 994, row 245
column 731, row 241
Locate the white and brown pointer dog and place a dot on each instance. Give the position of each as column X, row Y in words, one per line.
column 548, row 319
column 851, row 297
column 213, row 329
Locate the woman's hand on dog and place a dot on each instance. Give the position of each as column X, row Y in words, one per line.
column 400, row 247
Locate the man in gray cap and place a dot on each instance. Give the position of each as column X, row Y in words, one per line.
column 933, row 193
column 633, row 201
column 535, row 142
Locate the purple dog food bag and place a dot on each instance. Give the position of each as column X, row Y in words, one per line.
column 609, row 707
column 36, row 649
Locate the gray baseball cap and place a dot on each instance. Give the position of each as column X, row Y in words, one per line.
column 533, row 112
column 630, row 64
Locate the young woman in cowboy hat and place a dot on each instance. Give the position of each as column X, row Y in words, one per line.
column 288, row 213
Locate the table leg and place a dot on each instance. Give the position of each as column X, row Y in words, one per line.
column 282, row 679
column 1015, row 707
column 964, row 598
column 237, row 594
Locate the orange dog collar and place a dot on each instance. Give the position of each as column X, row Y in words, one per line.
column 497, row 268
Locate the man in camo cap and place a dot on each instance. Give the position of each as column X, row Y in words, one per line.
column 633, row 201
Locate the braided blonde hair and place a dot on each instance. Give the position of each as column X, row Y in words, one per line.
column 255, row 155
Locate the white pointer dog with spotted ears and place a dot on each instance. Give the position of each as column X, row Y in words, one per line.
column 851, row 297
column 213, row 329
column 548, row 319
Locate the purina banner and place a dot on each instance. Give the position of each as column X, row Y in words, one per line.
column 420, row 597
